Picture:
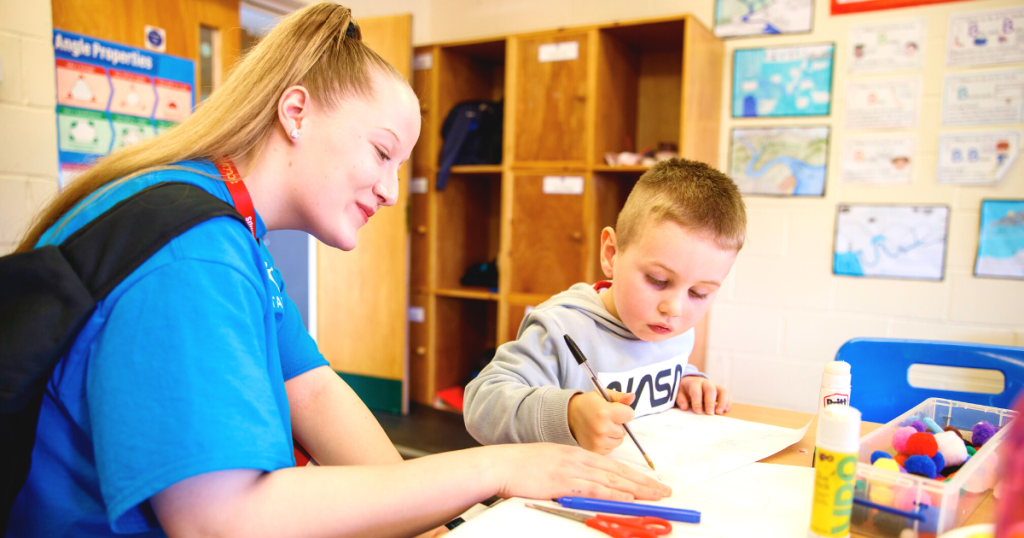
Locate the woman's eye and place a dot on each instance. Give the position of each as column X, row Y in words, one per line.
column 656, row 282
column 698, row 295
column 383, row 155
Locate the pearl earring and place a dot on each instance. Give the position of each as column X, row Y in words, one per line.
column 295, row 134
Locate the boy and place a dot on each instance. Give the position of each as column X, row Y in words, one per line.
column 675, row 241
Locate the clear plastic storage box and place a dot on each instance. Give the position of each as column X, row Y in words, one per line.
column 929, row 507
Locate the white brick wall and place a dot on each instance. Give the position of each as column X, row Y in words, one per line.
column 28, row 139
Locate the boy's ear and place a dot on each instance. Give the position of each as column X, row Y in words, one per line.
column 609, row 248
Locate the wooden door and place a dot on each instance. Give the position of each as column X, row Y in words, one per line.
column 547, row 237
column 362, row 295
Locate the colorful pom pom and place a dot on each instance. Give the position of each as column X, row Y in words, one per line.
column 888, row 464
column 906, row 498
column 940, row 462
column 952, row 448
column 900, row 436
column 919, row 426
column 879, row 454
column 901, row 459
column 981, row 433
column 881, row 494
column 921, row 465
column 954, row 430
column 922, row 444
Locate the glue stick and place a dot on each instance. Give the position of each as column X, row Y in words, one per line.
column 835, row 385
column 835, row 470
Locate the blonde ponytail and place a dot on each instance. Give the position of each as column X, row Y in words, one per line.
column 319, row 47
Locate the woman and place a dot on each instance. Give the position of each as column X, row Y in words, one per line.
column 175, row 409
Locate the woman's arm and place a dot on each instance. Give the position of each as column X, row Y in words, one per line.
column 333, row 424
column 399, row 499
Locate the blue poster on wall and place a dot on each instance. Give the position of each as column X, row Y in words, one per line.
column 1001, row 239
column 111, row 95
column 782, row 81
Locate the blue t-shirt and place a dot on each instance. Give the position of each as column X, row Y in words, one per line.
column 180, row 371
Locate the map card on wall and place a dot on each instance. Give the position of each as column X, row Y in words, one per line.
column 894, row 241
column 783, row 161
column 736, row 18
column 782, row 81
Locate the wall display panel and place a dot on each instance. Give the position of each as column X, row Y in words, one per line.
column 738, row 18
column 1001, row 239
column 780, row 161
column 891, row 241
column 780, row 82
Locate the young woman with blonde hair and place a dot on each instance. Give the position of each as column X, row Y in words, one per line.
column 175, row 409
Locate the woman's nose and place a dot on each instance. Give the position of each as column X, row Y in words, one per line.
column 387, row 191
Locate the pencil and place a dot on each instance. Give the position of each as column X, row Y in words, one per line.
column 582, row 360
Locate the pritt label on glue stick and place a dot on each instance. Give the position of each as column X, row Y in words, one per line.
column 833, row 493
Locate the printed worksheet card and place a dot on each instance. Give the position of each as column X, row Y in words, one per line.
column 891, row 241
column 977, row 158
column 110, row 96
column 762, row 17
column 883, row 104
column 983, row 98
column 986, row 38
column 887, row 46
column 784, row 161
column 1001, row 239
column 881, row 160
column 782, row 81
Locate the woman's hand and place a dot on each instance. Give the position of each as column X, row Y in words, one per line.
column 703, row 396
column 547, row 471
column 596, row 423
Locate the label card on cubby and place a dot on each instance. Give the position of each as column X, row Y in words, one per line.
column 563, row 184
column 416, row 314
column 558, row 52
column 418, row 185
column 421, row 62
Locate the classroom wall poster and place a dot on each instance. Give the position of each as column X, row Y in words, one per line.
column 784, row 161
column 782, row 81
column 880, row 160
column 886, row 47
column 111, row 95
column 840, row 7
column 891, row 241
column 883, row 104
column 986, row 38
column 735, row 18
column 1001, row 239
column 983, row 98
column 976, row 158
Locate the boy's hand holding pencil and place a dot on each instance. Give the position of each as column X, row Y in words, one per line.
column 597, row 424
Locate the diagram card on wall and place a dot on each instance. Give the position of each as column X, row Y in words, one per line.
column 782, row 81
column 983, row 98
column 785, row 161
column 977, row 158
column 885, row 160
column 986, row 38
column 891, row 241
column 735, row 18
column 888, row 46
column 883, row 104
column 1001, row 239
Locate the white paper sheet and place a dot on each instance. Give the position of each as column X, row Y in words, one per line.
column 986, row 38
column 688, row 449
column 884, row 160
column 887, row 46
column 883, row 104
column 983, row 98
column 976, row 158
column 763, row 500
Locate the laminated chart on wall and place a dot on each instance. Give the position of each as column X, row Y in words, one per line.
column 735, row 18
column 891, row 241
column 1001, row 239
column 110, row 96
column 784, row 161
column 986, row 38
column 782, row 81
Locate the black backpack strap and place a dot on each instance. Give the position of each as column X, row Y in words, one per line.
column 47, row 294
column 135, row 228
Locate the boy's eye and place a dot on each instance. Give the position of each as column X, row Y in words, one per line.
column 697, row 295
column 656, row 282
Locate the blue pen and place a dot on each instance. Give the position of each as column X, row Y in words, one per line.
column 629, row 509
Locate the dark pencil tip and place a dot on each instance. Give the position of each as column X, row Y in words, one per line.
column 576, row 353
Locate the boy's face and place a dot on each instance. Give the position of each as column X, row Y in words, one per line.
column 664, row 281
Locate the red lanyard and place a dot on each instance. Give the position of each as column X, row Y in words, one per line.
column 239, row 194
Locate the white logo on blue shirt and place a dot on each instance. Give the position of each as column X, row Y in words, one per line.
column 655, row 385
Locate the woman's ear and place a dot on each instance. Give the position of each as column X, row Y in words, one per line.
column 609, row 249
column 293, row 107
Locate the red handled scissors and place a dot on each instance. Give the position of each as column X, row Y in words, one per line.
column 618, row 527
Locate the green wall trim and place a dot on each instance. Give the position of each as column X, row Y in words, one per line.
column 376, row 392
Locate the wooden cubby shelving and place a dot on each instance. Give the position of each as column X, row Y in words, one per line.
column 631, row 85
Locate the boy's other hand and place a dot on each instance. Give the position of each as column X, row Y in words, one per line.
column 703, row 396
column 597, row 424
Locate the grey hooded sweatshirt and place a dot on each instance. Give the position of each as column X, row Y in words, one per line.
column 522, row 396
